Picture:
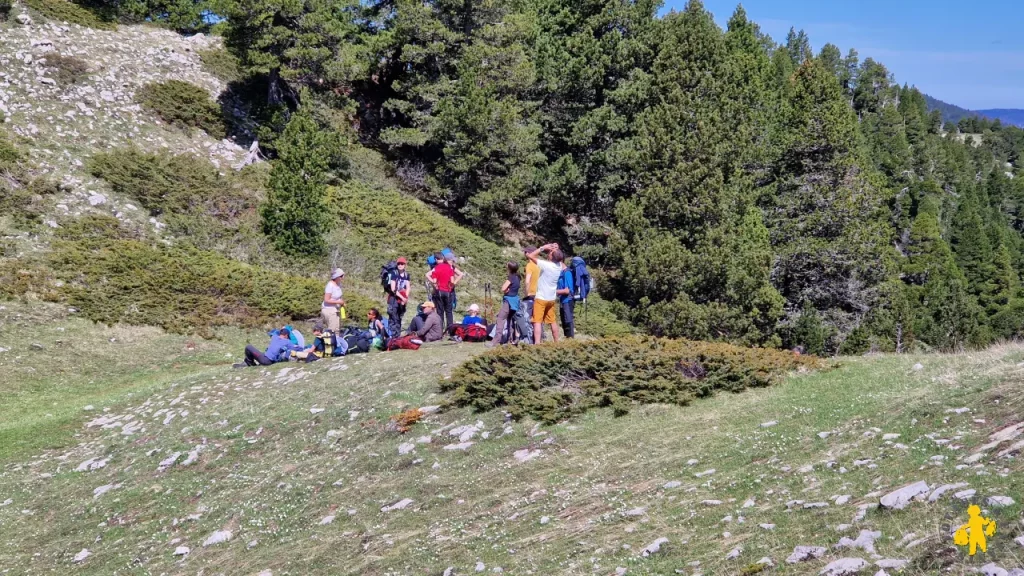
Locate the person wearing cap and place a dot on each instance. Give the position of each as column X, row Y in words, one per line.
column 398, row 296
column 431, row 331
column 330, row 310
column 473, row 316
column 532, row 276
column 444, row 277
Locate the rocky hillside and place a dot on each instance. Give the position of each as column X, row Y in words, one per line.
column 61, row 126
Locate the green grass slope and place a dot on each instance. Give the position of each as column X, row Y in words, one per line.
column 299, row 465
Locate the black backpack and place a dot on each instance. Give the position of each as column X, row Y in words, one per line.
column 387, row 272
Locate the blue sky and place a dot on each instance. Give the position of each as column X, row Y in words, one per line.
column 967, row 53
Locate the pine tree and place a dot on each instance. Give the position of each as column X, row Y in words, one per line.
column 798, row 45
column 973, row 252
column 296, row 214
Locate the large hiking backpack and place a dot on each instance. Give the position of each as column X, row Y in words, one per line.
column 580, row 279
column 472, row 333
column 387, row 272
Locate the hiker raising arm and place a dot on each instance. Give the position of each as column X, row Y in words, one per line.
column 545, row 248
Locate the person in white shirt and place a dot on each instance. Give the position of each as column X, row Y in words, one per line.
column 330, row 311
column 546, row 302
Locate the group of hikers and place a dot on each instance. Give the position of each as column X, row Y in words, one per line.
column 552, row 288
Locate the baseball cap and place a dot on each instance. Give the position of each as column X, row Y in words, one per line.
column 474, row 308
column 338, row 273
column 401, row 260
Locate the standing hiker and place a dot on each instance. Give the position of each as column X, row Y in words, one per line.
column 532, row 276
column 547, row 290
column 398, row 296
column 444, row 277
column 505, row 322
column 330, row 311
column 566, row 302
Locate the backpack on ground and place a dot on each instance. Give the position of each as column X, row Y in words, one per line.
column 581, row 281
column 387, row 272
column 471, row 333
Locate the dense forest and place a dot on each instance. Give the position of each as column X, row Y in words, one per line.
column 725, row 186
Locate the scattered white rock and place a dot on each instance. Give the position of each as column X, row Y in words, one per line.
column 400, row 505
column 824, row 435
column 103, row 490
column 327, row 520
column 459, row 446
column 890, row 436
column 480, row 567
column 92, row 464
column 805, row 553
column 992, row 569
column 769, row 424
column 525, row 455
column 640, row 511
column 545, row 519
column 734, row 553
column 844, row 566
column 708, row 472
column 405, row 447
column 218, row 537
column 938, row 492
column 892, row 563
column 918, row 367
column 672, row 484
column 81, row 556
column 999, row 501
column 865, row 541
column 182, row 551
column 965, row 494
column 712, row 502
column 316, row 410
column 654, row 547
column 840, row 500
column 767, row 526
column 898, row 499
column 749, row 503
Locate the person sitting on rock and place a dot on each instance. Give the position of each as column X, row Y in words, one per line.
column 279, row 349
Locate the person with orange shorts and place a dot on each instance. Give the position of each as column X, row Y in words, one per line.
column 546, row 301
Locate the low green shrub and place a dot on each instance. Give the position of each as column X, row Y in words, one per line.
column 23, row 197
column 384, row 223
column 553, row 382
column 184, row 105
column 9, row 155
column 65, row 11
column 67, row 70
column 111, row 275
column 221, row 63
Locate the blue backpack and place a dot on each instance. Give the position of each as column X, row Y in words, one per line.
column 580, row 279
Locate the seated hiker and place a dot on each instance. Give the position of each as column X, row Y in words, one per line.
column 472, row 317
column 327, row 343
column 278, row 350
column 431, row 331
column 378, row 328
column 417, row 320
column 473, row 327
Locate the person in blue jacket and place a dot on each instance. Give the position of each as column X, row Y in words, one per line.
column 566, row 302
column 278, row 350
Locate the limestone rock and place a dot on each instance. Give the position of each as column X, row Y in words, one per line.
column 218, row 537
column 81, row 556
column 898, row 499
column 844, row 566
column 654, row 547
column 400, row 505
column 938, row 492
column 999, row 501
column 805, row 553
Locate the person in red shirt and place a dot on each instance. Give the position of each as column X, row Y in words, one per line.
column 444, row 277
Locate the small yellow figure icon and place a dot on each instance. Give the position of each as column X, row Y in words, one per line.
column 974, row 531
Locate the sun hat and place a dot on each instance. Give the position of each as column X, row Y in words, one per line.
column 338, row 273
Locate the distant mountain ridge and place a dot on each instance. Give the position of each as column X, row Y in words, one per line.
column 1006, row 115
column 953, row 113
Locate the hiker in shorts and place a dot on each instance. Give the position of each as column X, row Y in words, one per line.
column 444, row 277
column 532, row 276
column 398, row 297
column 545, row 302
column 330, row 310
column 504, row 323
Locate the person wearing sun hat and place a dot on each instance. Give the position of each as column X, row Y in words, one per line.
column 431, row 331
column 333, row 301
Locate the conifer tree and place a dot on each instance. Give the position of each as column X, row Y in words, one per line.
column 296, row 215
column 973, row 252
